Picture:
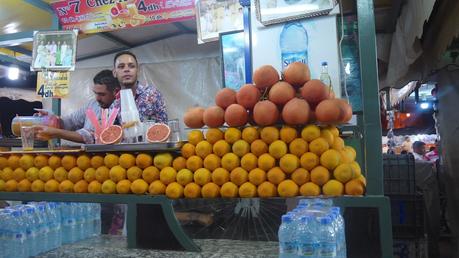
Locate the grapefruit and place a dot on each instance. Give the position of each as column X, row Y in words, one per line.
column 265, row 113
column 297, row 74
column 236, row 115
column 296, row 112
column 193, row 117
column 158, row 133
column 265, row 77
column 248, row 95
column 314, row 91
column 214, row 116
column 281, row 92
column 112, row 134
column 328, row 111
column 225, row 97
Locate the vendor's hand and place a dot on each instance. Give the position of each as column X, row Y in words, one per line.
column 45, row 133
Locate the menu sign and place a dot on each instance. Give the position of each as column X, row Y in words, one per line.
column 53, row 84
column 91, row 16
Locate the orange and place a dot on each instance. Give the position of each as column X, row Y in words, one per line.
column 229, row 190
column 127, row 160
column 269, row 134
column 333, row 188
column 46, row 173
column 249, row 161
column 203, row 148
column 221, row 147
column 11, row 185
column 143, row 160
column 310, row 133
column 40, row 161
column 193, row 163
column 102, row 174
column 232, row 135
column 343, row 173
column 65, row 186
column 354, row 187
column 188, row 150
column 240, row 148
column 202, row 176
column 298, row 147
column 328, row 136
column 108, row 187
column 257, row 176
column 309, row 161
column 277, row 149
column 318, row 146
column 356, row 169
column 247, row 190
column 157, row 187
column 195, row 136
column 333, row 130
column 162, row 160
column 95, row 187
column 139, row 186
column 210, row 190
column 54, row 161
column 212, row 162
column 174, row 190
column 300, row 176
column 192, row 190
column 7, row 174
column 289, row 163
column 111, row 160
column 266, row 162
column 26, row 161
column 239, row 176
column 96, row 161
column 134, row 173
column 330, row 159
column 220, row 176
column 89, row 175
column 117, row 173
column 19, row 174
column 24, row 185
column 167, row 175
column 213, row 135
column 276, row 175
column 250, row 134
column 83, row 162
column 32, row 174
column 287, row 188
column 258, row 147
column 179, row 163
column 3, row 162
column 80, row 187
column 266, row 190
column 320, row 175
column 68, row 162
column 38, row 186
column 338, row 144
column 150, row 174
column 184, row 177
column 288, row 134
column 123, row 186
column 13, row 161
column 310, row 189
column 230, row 161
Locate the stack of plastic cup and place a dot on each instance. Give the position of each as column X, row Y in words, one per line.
column 130, row 114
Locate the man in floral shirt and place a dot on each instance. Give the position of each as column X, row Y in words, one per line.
column 148, row 99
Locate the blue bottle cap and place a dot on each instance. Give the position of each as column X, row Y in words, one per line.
column 324, row 63
column 30, row 210
column 306, row 219
column 16, row 213
column 286, row 218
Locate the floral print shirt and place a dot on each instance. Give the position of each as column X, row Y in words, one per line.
column 150, row 104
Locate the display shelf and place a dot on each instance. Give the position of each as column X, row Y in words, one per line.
column 137, row 147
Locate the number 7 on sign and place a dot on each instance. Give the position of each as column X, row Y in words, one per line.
column 76, row 5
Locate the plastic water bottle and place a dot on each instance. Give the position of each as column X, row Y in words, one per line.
column 341, row 233
column 44, row 227
column 287, row 245
column 6, row 236
column 31, row 229
column 95, row 215
column 306, row 237
column 69, row 228
column 326, row 238
column 54, row 226
column 18, row 234
column 293, row 44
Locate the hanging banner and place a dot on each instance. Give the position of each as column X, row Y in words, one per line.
column 53, row 84
column 92, row 16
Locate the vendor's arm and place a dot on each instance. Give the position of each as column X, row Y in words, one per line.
column 81, row 136
column 76, row 120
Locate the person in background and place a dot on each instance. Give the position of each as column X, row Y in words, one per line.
column 419, row 150
column 148, row 98
column 432, row 155
column 77, row 127
column 407, row 144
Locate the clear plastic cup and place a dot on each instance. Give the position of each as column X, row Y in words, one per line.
column 27, row 137
column 174, row 125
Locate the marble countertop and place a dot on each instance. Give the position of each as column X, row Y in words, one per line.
column 106, row 246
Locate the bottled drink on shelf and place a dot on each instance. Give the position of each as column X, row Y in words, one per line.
column 293, row 44
column 306, row 238
column 287, row 245
column 326, row 237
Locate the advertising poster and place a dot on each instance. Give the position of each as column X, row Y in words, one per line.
column 53, row 84
column 54, row 51
column 233, row 59
column 91, row 16
column 312, row 40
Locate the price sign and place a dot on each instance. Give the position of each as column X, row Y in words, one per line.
column 53, row 84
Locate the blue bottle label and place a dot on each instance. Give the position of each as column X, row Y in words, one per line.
column 288, row 247
column 288, row 58
column 19, row 236
column 327, row 250
column 306, row 249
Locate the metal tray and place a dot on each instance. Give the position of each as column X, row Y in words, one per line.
column 156, row 147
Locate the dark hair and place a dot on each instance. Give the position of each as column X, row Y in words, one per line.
column 105, row 77
column 404, row 152
column 124, row 53
column 418, row 144
column 432, row 148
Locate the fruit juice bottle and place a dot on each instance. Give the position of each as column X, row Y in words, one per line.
column 18, row 121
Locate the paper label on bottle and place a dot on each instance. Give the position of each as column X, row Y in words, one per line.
column 306, row 249
column 287, row 247
column 327, row 249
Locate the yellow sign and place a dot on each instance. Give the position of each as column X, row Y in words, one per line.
column 53, row 84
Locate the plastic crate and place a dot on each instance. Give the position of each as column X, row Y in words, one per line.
column 407, row 216
column 399, row 174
